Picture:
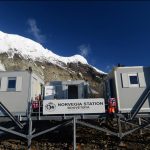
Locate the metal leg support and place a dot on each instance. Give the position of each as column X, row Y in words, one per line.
column 29, row 137
column 39, row 111
column 140, row 123
column 120, row 128
column 74, row 133
column 29, row 134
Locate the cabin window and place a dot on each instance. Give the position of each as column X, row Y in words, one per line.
column 133, row 80
column 12, row 84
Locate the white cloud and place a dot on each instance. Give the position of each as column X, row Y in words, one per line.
column 109, row 67
column 35, row 31
column 84, row 50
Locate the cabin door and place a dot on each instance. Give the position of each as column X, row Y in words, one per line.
column 72, row 92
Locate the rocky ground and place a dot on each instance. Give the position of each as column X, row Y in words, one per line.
column 104, row 144
column 87, row 139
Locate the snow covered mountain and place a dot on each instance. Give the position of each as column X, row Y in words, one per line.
column 14, row 44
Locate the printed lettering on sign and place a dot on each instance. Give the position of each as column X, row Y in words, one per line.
column 74, row 106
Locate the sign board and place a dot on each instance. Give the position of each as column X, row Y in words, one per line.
column 74, row 106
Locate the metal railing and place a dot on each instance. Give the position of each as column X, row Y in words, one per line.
column 37, row 108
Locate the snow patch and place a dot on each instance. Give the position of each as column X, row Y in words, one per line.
column 2, row 67
column 98, row 77
column 101, row 72
column 80, row 74
column 42, row 67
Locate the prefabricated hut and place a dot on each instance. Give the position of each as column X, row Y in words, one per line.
column 17, row 89
column 130, row 86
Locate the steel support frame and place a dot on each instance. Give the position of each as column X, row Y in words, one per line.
column 74, row 121
column 30, row 134
column 13, row 132
column 74, row 133
column 11, row 128
column 51, row 129
column 119, row 134
column 133, row 124
column 13, row 118
column 96, row 127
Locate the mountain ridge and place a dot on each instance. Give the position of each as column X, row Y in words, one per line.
column 29, row 49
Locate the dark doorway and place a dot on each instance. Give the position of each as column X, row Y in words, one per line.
column 72, row 92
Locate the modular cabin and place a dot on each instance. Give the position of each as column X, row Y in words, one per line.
column 17, row 89
column 130, row 86
column 67, row 90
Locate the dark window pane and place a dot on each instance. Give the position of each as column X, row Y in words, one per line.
column 133, row 80
column 11, row 83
